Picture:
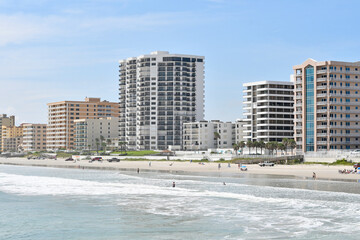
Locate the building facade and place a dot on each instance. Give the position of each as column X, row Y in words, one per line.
column 327, row 105
column 88, row 130
column 5, row 121
column 158, row 93
column 34, row 137
column 239, row 130
column 269, row 111
column 61, row 117
column 12, row 138
column 203, row 135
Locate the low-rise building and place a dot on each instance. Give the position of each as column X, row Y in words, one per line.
column 88, row 130
column 5, row 121
column 12, row 138
column 203, row 135
column 239, row 130
column 34, row 137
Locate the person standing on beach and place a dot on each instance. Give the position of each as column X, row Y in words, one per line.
column 150, row 164
column 219, row 166
column 138, row 170
column 314, row 175
column 173, row 184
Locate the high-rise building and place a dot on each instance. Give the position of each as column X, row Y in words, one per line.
column 34, row 137
column 269, row 111
column 203, row 135
column 11, row 138
column 158, row 93
column 88, row 130
column 5, row 121
column 327, row 102
column 61, row 116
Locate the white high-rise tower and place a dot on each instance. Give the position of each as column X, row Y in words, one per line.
column 158, row 93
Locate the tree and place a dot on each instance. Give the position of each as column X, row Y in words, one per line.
column 285, row 141
column 281, row 147
column 242, row 145
column 292, row 145
column 97, row 142
column 236, row 148
column 103, row 145
column 249, row 144
column 256, row 145
column 216, row 137
column 261, row 146
column 108, row 141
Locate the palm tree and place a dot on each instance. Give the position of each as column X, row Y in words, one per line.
column 256, row 145
column 249, row 144
column 216, row 137
column 97, row 142
column 108, row 141
column 281, row 147
column 292, row 145
column 261, row 146
column 285, row 141
column 242, row 145
column 236, row 148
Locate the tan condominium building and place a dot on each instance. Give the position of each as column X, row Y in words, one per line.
column 34, row 137
column 269, row 111
column 61, row 117
column 12, row 138
column 87, row 131
column 327, row 105
column 203, row 135
column 5, row 121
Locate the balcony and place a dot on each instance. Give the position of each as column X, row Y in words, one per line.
column 322, row 103
column 321, row 134
column 321, row 87
column 322, row 71
column 321, row 80
column 321, row 142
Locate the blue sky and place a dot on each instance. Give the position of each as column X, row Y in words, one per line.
column 67, row 50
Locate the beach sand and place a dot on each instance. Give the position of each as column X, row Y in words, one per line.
column 301, row 170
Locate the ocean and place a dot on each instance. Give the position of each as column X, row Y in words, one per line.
column 53, row 203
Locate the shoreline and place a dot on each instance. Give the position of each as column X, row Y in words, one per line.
column 300, row 171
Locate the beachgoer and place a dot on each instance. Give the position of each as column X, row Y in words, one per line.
column 219, row 166
column 229, row 165
column 239, row 166
column 224, row 183
column 149, row 164
column 314, row 175
column 138, row 170
column 173, row 184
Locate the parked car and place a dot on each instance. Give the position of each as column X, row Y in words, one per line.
column 97, row 159
column 357, row 165
column 69, row 159
column 113, row 160
column 266, row 163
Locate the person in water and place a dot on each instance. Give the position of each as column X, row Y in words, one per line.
column 224, row 183
column 173, row 184
column 138, row 170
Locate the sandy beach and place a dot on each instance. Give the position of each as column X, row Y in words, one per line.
column 301, row 171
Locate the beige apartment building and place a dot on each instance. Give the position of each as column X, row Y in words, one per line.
column 11, row 138
column 34, row 137
column 203, row 135
column 327, row 105
column 5, row 121
column 61, row 116
column 88, row 130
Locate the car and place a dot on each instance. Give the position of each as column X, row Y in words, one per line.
column 357, row 165
column 266, row 163
column 97, row 159
column 69, row 159
column 113, row 160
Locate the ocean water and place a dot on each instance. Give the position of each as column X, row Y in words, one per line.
column 48, row 203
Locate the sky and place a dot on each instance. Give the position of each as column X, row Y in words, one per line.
column 68, row 50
